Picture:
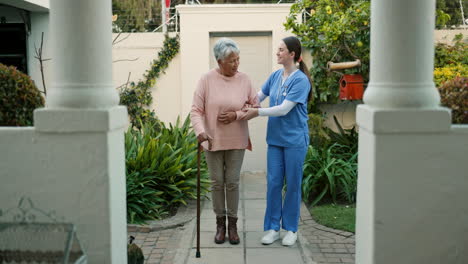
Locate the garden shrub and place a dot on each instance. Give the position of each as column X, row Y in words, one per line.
column 451, row 54
column 335, row 31
column 318, row 133
column 161, row 167
column 330, row 173
column 450, row 77
column 19, row 97
column 330, row 168
column 454, row 95
column 450, row 61
column 449, row 72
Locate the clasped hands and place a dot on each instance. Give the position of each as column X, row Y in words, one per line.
column 230, row 116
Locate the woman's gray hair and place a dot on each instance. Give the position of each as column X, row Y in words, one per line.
column 224, row 47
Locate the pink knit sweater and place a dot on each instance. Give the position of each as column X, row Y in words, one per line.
column 215, row 94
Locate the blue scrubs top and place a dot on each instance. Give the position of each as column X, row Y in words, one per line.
column 290, row 130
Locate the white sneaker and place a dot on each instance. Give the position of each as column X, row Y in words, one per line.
column 290, row 238
column 270, row 237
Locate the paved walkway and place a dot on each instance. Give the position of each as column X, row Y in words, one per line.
column 316, row 244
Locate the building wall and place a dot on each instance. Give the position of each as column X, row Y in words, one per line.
column 447, row 35
column 133, row 54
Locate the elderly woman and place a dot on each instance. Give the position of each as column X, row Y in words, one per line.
column 216, row 118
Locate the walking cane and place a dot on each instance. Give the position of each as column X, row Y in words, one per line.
column 198, row 255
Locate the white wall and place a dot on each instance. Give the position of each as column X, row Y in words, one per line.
column 430, row 172
column 72, row 164
column 144, row 47
column 167, row 93
column 413, row 176
column 133, row 53
column 447, row 35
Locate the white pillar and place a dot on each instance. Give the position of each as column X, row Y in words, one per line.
column 81, row 39
column 80, row 133
column 402, row 55
column 412, row 179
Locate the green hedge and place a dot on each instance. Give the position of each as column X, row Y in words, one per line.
column 19, row 97
column 454, row 95
column 330, row 167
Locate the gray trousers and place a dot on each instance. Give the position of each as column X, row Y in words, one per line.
column 224, row 168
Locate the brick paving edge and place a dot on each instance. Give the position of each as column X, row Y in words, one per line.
column 184, row 215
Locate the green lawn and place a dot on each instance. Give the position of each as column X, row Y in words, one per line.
column 342, row 217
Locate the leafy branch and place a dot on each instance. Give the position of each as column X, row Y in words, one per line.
column 41, row 62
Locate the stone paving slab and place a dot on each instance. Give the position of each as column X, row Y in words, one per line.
column 217, row 256
column 254, row 225
column 273, row 255
column 255, row 194
column 256, row 204
column 254, row 213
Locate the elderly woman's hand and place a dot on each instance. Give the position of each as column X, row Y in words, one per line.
column 227, row 117
column 250, row 113
column 204, row 137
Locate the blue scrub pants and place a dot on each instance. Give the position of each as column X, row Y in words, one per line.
column 281, row 162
